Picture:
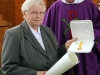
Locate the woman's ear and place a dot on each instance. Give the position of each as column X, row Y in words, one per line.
column 24, row 14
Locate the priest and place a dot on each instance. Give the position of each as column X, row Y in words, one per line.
column 58, row 18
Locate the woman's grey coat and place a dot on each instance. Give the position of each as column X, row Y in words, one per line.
column 23, row 55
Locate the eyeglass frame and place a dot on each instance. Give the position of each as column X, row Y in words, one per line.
column 36, row 13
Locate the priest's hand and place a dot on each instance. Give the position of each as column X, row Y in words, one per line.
column 69, row 42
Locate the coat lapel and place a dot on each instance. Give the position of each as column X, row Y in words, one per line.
column 45, row 40
column 31, row 38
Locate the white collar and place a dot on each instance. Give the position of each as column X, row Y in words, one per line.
column 33, row 31
column 75, row 2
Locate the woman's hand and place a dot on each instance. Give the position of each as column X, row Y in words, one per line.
column 69, row 42
column 41, row 72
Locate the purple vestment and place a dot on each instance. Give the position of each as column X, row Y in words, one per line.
column 58, row 18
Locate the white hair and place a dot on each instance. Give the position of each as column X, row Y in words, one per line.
column 28, row 3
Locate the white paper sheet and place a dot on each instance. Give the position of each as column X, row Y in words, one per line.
column 69, row 60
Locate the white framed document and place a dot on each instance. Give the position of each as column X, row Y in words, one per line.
column 83, row 31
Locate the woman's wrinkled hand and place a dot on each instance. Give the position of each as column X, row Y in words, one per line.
column 69, row 42
column 41, row 72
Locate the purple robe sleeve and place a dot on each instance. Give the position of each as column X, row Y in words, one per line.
column 96, row 25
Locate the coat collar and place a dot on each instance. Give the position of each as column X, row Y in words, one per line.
column 75, row 2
